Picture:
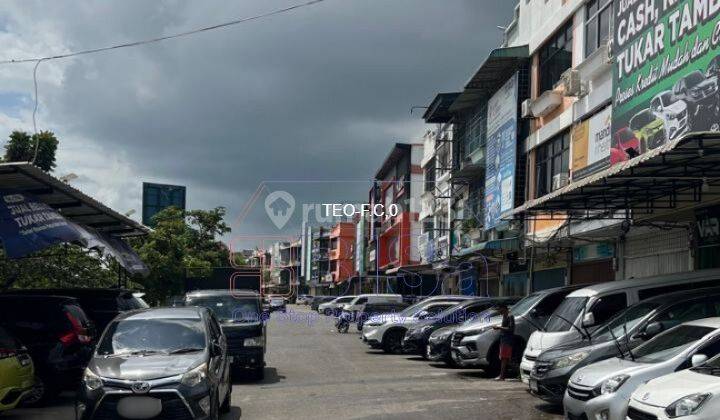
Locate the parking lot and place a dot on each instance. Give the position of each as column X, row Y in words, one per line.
column 315, row 372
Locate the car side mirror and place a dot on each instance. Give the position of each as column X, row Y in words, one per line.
column 534, row 313
column 698, row 359
column 588, row 320
column 423, row 314
column 651, row 330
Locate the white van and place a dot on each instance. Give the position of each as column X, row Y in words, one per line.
column 356, row 304
column 586, row 309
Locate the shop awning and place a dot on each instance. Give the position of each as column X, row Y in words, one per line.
column 417, row 268
column 508, row 244
column 438, row 111
column 682, row 171
column 71, row 203
column 494, row 71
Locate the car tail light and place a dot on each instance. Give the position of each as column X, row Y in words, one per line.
column 78, row 333
column 5, row 353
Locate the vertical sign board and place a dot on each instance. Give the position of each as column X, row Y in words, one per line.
column 665, row 75
column 157, row 197
column 501, row 151
column 591, row 148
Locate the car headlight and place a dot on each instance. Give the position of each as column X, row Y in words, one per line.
column 441, row 335
column 92, row 381
column 195, row 376
column 571, row 360
column 611, row 385
column 687, row 405
column 253, row 342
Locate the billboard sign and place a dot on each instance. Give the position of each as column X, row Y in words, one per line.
column 665, row 75
column 501, row 153
column 157, row 197
column 591, row 145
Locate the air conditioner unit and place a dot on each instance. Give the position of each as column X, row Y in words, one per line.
column 573, row 83
column 526, row 109
column 559, row 181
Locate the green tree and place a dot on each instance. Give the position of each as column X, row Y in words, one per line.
column 181, row 241
column 21, row 148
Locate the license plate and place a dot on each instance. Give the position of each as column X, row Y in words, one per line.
column 139, row 407
column 533, row 385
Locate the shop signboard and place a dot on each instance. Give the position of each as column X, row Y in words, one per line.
column 501, row 153
column 707, row 226
column 592, row 252
column 591, row 144
column 665, row 72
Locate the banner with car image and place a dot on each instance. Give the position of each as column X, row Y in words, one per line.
column 665, row 74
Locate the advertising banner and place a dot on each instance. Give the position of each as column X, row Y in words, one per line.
column 591, row 149
column 501, row 151
column 28, row 225
column 665, row 75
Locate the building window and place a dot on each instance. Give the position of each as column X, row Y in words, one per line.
column 552, row 159
column 430, row 176
column 556, row 57
column 475, row 133
column 598, row 19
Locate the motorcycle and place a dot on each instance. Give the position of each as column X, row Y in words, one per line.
column 343, row 322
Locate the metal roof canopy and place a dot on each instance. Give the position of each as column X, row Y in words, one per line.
column 438, row 111
column 73, row 204
column 494, row 71
column 682, row 171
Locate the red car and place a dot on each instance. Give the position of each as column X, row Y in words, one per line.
column 625, row 146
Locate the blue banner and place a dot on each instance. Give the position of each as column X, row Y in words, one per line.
column 500, row 155
column 28, row 225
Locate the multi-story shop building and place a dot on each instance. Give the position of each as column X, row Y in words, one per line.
column 342, row 252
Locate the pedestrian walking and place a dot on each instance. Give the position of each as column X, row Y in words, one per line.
column 507, row 337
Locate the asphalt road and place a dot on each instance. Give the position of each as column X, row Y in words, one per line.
column 313, row 372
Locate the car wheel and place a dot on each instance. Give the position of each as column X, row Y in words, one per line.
column 493, row 367
column 450, row 362
column 328, row 312
column 715, row 126
column 392, row 343
column 225, row 407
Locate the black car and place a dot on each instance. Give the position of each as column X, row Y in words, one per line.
column 701, row 95
column 242, row 320
column 372, row 309
column 624, row 332
column 100, row 305
column 318, row 300
column 164, row 363
column 416, row 337
column 59, row 338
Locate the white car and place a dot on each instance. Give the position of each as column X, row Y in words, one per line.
column 335, row 305
column 602, row 390
column 674, row 114
column 356, row 304
column 386, row 331
column 691, row 394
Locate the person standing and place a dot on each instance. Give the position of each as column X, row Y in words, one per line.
column 507, row 338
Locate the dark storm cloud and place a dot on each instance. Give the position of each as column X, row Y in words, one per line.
column 320, row 93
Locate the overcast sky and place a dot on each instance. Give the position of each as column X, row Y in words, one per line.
column 317, row 94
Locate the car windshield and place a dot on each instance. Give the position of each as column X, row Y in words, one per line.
column 670, row 343
column 666, row 98
column 625, row 135
column 563, row 318
column 483, row 316
column 694, row 78
column 525, row 304
column 148, row 336
column 345, row 299
column 228, row 308
column 412, row 309
column 641, row 120
column 627, row 320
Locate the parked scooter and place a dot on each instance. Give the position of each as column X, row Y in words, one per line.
column 343, row 322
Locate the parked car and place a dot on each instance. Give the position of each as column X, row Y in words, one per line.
column 58, row 336
column 242, row 320
column 605, row 388
column 16, row 371
column 673, row 113
column 277, row 303
column 627, row 330
column 701, row 95
column 334, row 307
column 355, row 305
column 386, row 331
column 100, row 305
column 370, row 310
column 586, row 309
column 303, row 300
column 417, row 336
column 318, row 300
column 158, row 363
column 625, row 145
column 690, row 394
column 649, row 129
column 478, row 344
